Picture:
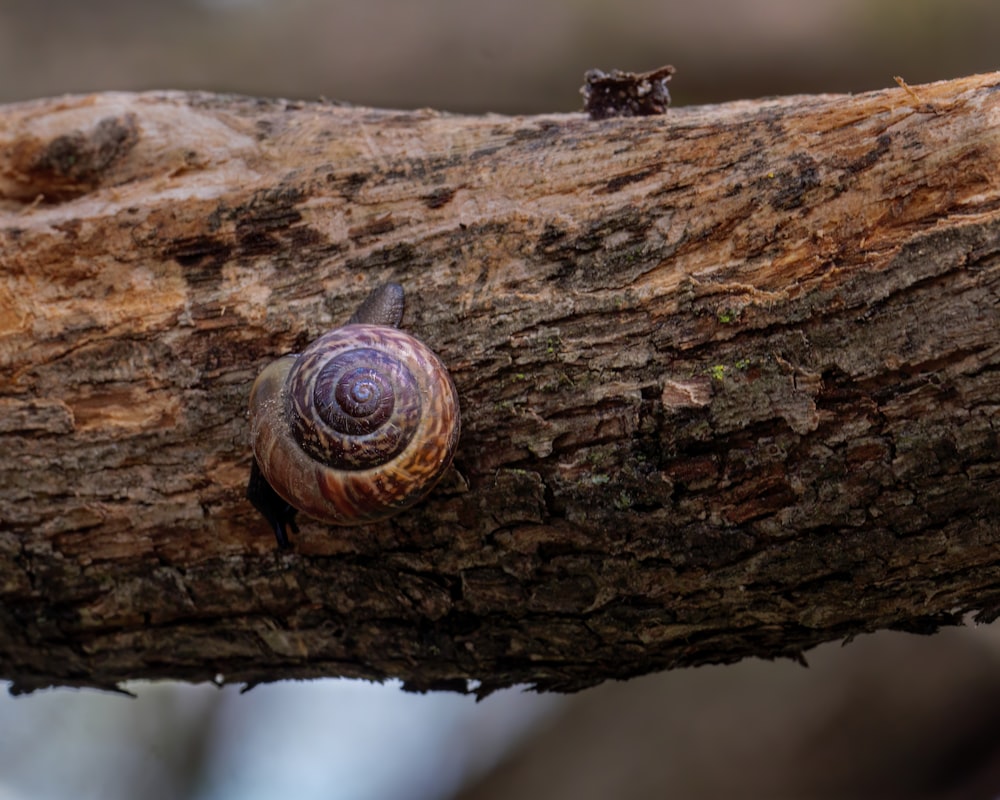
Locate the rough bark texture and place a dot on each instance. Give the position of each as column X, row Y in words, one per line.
column 729, row 381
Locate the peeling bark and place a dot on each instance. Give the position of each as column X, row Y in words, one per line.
column 729, row 381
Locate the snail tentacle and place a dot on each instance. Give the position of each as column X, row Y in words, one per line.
column 384, row 306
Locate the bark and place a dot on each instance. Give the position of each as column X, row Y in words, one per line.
column 729, row 380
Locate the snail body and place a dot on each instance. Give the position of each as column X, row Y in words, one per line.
column 359, row 426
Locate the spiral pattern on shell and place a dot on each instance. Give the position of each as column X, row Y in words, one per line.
column 360, row 425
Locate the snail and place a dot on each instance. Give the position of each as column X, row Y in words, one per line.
column 357, row 427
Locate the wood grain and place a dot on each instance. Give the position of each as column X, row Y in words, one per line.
column 729, row 382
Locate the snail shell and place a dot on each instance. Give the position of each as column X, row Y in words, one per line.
column 360, row 425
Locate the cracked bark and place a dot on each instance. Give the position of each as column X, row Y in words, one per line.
column 729, row 381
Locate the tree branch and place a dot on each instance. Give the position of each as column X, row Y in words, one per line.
column 729, row 380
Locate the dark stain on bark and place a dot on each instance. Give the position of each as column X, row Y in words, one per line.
column 795, row 184
column 424, row 170
column 372, row 229
column 550, row 237
column 588, row 260
column 349, row 185
column 882, row 146
column 439, row 198
column 541, row 133
column 484, row 152
column 73, row 164
column 403, row 253
column 621, row 181
column 270, row 210
column 270, row 224
column 200, row 251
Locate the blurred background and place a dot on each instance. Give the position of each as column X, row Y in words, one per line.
column 889, row 716
column 514, row 56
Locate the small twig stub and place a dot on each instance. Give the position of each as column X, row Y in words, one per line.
column 626, row 94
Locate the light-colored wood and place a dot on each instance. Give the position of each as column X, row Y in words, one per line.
column 729, row 381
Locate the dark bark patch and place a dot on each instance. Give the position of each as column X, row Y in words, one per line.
column 372, row 229
column 612, row 250
column 795, row 184
column 271, row 224
column 403, row 253
column 540, row 134
column 349, row 185
column 439, row 198
column 621, row 181
column 73, row 164
column 882, row 146
column 200, row 251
